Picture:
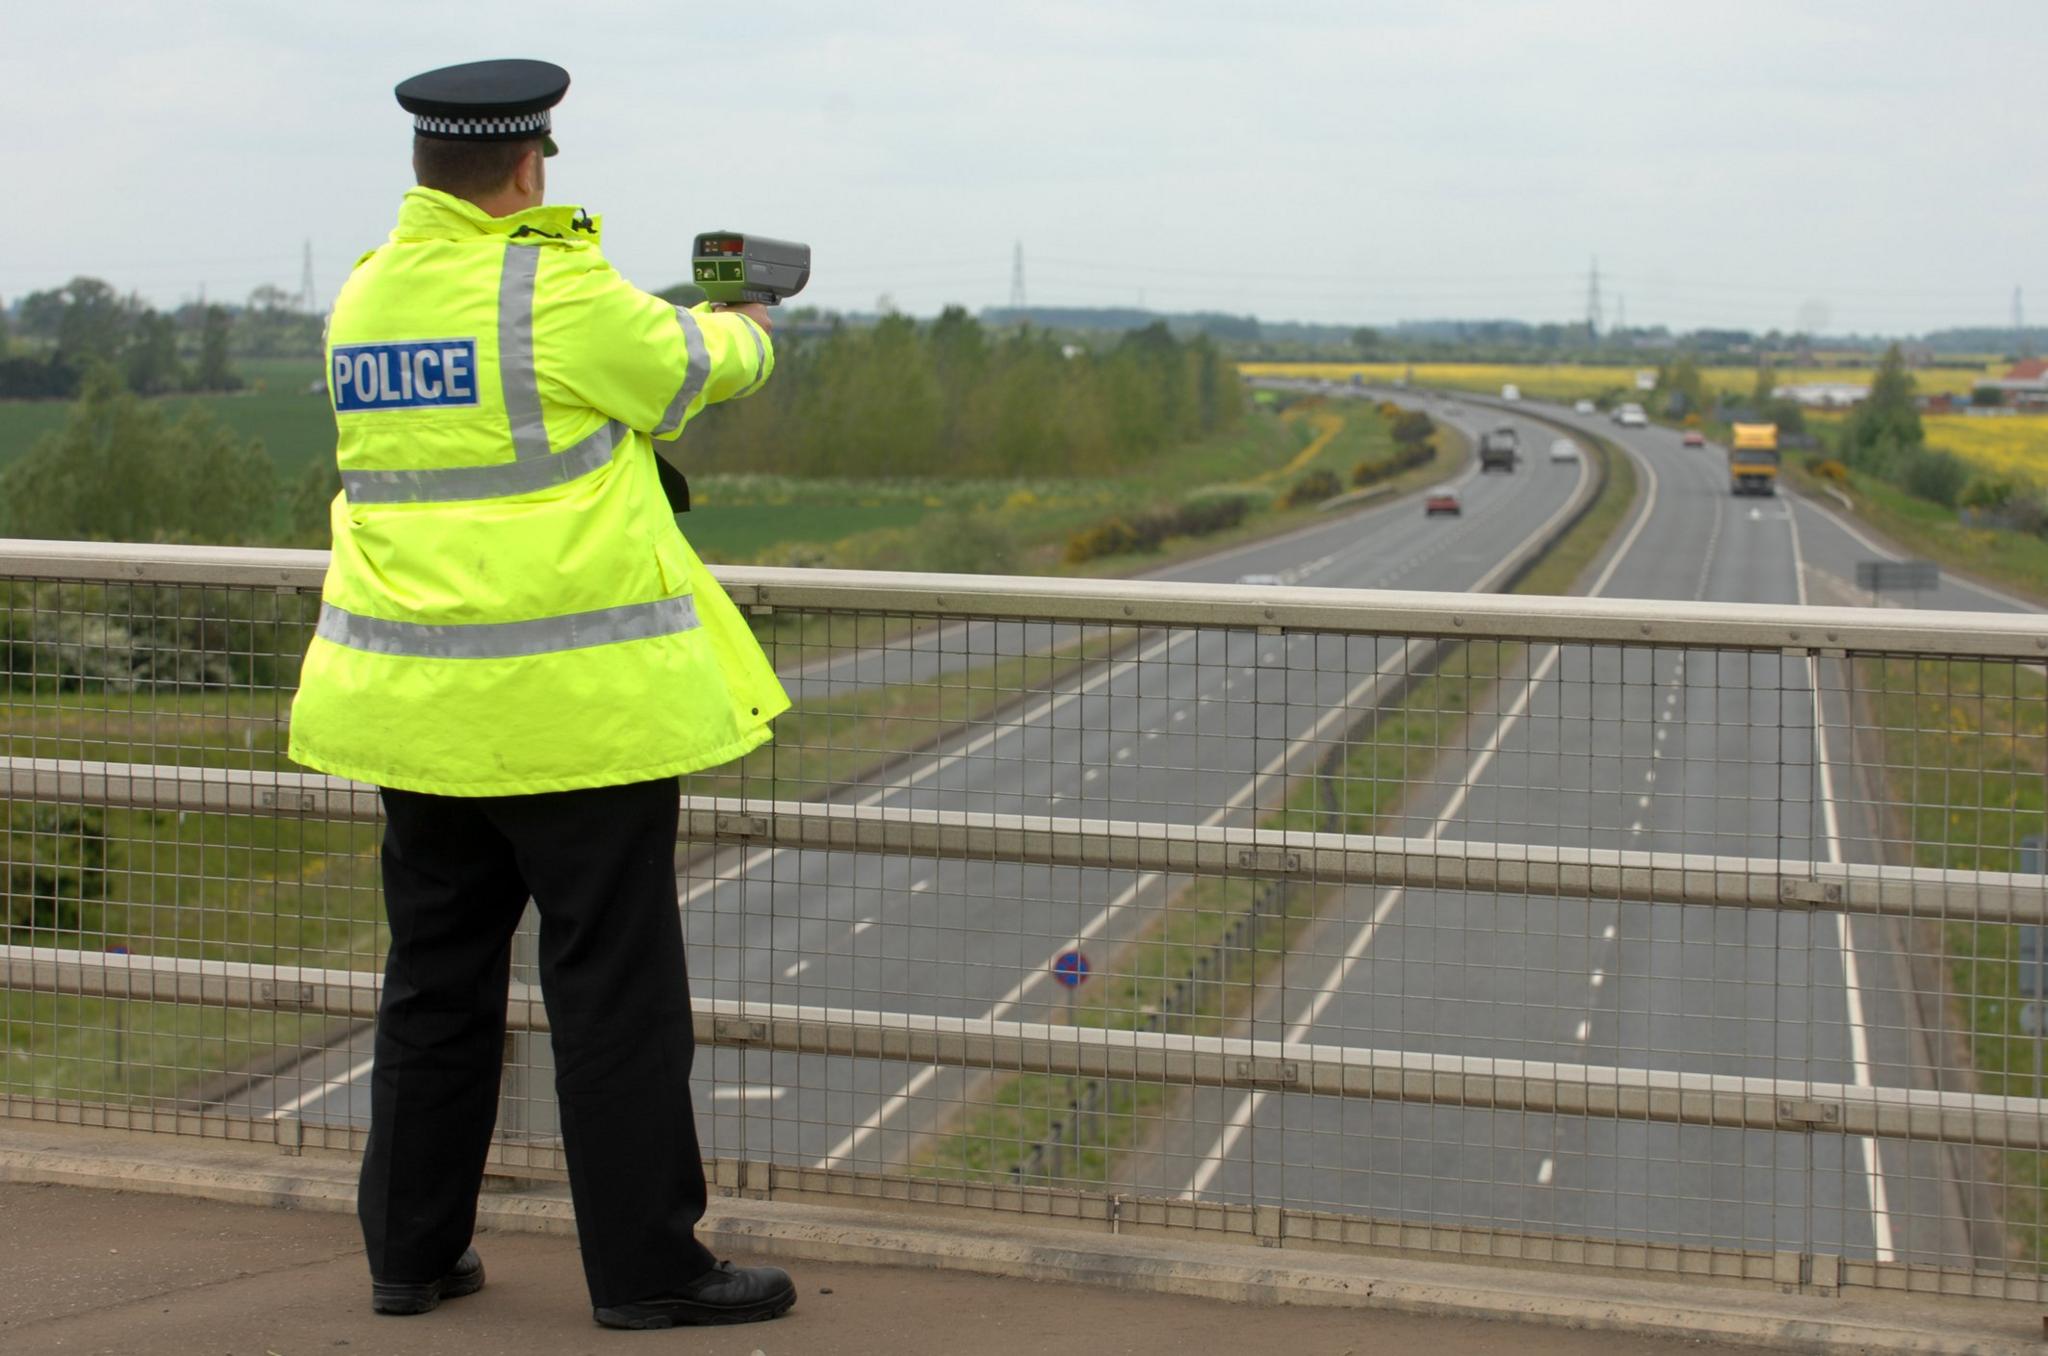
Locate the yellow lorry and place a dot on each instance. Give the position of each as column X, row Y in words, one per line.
column 1753, row 459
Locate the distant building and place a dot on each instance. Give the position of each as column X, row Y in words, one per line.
column 1824, row 395
column 2023, row 387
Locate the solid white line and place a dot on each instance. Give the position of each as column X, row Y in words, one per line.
column 1226, row 1142
column 1852, row 985
column 2018, row 604
column 312, row 1095
column 974, row 746
column 1535, row 680
column 1287, row 754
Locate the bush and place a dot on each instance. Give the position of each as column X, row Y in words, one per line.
column 56, row 866
column 1987, row 492
column 1149, row 531
column 1312, row 488
column 1412, row 426
column 1936, row 476
column 1831, row 470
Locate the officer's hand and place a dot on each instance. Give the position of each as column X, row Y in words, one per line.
column 752, row 310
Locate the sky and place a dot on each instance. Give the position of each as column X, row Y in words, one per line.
column 1872, row 167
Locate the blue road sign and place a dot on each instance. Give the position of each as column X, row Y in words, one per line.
column 1070, row 969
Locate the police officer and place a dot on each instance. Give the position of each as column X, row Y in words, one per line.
column 520, row 649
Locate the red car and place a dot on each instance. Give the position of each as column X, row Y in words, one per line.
column 1442, row 501
column 1694, row 438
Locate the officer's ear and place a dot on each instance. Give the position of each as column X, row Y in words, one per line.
column 529, row 175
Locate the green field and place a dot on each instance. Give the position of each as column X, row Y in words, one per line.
column 293, row 425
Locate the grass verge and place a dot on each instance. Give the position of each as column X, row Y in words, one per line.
column 2014, row 560
column 1963, row 752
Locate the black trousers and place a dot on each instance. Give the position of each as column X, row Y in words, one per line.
column 599, row 865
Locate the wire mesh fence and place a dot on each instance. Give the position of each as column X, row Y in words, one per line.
column 1688, row 939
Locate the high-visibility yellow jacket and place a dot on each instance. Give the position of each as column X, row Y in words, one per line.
column 510, row 607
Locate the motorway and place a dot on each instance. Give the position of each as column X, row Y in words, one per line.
column 1643, row 749
column 1694, row 752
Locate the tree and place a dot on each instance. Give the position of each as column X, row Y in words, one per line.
column 1766, row 389
column 121, row 469
column 270, row 297
column 1885, row 431
column 95, row 322
column 1366, row 340
column 1680, row 388
column 213, row 373
column 150, row 361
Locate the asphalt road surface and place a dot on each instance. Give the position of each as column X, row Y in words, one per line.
column 1642, row 749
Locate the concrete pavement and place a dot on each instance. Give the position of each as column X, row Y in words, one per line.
column 142, row 1275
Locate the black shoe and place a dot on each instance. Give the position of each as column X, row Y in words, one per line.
column 724, row 1294
column 420, row 1297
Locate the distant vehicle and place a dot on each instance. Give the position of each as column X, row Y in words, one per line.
column 1258, row 579
column 1442, row 501
column 1694, row 438
column 1753, row 459
column 1564, row 449
column 1631, row 416
column 1583, row 407
column 1499, row 449
column 1510, row 392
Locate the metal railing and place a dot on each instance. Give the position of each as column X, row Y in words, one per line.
column 1674, row 937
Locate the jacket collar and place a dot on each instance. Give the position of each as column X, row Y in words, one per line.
column 429, row 214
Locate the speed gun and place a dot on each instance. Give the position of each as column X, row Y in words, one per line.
column 732, row 267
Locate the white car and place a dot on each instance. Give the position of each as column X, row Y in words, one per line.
column 1583, row 407
column 1564, row 449
column 1268, row 579
column 1631, row 416
column 1510, row 392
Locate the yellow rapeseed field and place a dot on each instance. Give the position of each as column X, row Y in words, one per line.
column 1560, row 381
column 2015, row 446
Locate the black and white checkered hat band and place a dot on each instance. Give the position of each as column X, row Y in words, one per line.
column 514, row 125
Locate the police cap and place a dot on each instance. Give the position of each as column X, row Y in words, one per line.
column 486, row 101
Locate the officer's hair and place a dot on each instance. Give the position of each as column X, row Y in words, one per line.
column 467, row 169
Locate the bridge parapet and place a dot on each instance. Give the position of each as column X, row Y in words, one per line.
column 1674, row 938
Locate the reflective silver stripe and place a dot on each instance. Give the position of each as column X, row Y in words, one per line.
column 760, row 359
column 515, row 351
column 694, row 376
column 508, row 640
column 448, row 483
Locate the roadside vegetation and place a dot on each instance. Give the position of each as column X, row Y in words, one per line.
column 1962, row 752
column 1571, row 381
